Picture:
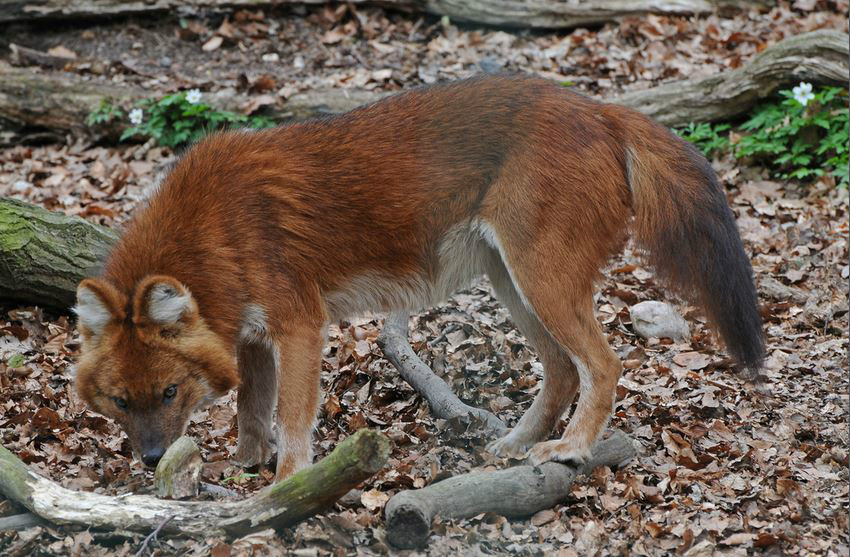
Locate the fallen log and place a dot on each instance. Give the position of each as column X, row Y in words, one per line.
column 287, row 502
column 44, row 255
column 519, row 491
column 819, row 56
column 441, row 399
column 63, row 101
column 503, row 13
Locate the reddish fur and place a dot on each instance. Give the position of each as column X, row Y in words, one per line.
column 284, row 217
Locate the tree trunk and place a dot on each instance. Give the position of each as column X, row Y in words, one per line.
column 283, row 504
column 541, row 14
column 44, row 255
column 519, row 491
column 62, row 101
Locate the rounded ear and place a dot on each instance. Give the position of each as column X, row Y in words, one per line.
column 98, row 304
column 164, row 301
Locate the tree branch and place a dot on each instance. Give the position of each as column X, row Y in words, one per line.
column 287, row 502
column 514, row 492
column 441, row 399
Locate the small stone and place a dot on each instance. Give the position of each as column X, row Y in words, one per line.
column 659, row 320
column 271, row 57
column 490, row 65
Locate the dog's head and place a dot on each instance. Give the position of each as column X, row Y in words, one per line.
column 148, row 360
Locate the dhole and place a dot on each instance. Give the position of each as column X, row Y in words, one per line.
column 255, row 241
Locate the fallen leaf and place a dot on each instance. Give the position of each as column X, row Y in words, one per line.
column 374, row 499
column 62, row 52
column 212, row 44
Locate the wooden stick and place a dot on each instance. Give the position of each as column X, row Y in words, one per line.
column 287, row 502
column 514, row 492
column 20, row 522
column 443, row 402
column 152, row 536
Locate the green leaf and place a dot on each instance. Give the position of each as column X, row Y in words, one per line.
column 16, row 360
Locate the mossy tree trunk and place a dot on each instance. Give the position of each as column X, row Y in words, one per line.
column 44, row 255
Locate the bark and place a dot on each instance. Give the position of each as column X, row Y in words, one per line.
column 63, row 101
column 519, row 491
column 44, row 255
column 178, row 474
column 285, row 503
column 441, row 399
column 540, row 14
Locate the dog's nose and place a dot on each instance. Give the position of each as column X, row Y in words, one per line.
column 151, row 457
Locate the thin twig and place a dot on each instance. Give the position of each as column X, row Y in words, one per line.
column 152, row 536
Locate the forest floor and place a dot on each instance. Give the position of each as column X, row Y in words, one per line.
column 722, row 470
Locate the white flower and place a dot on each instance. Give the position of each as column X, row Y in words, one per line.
column 136, row 116
column 193, row 96
column 803, row 93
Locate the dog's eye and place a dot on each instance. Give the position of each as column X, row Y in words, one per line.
column 170, row 392
column 120, row 402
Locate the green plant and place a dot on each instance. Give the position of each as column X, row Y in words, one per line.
column 175, row 119
column 181, row 118
column 705, row 137
column 806, row 134
column 104, row 113
column 801, row 139
column 239, row 478
column 16, row 360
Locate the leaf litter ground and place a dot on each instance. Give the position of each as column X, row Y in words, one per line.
column 721, row 470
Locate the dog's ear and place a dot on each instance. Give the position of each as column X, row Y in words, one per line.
column 98, row 304
column 163, row 301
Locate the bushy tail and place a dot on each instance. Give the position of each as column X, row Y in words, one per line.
column 685, row 225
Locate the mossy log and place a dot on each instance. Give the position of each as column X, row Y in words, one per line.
column 62, row 101
column 503, row 13
column 283, row 504
column 519, row 491
column 44, row 255
column 178, row 474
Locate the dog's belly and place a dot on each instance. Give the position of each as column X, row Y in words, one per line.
column 460, row 258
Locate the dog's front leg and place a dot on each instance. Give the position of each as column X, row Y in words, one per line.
column 300, row 356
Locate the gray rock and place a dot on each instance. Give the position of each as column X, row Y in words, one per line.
column 659, row 320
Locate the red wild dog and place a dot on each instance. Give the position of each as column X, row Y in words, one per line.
column 254, row 241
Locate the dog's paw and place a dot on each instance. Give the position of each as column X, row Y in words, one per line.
column 558, row 451
column 510, row 446
column 253, row 451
